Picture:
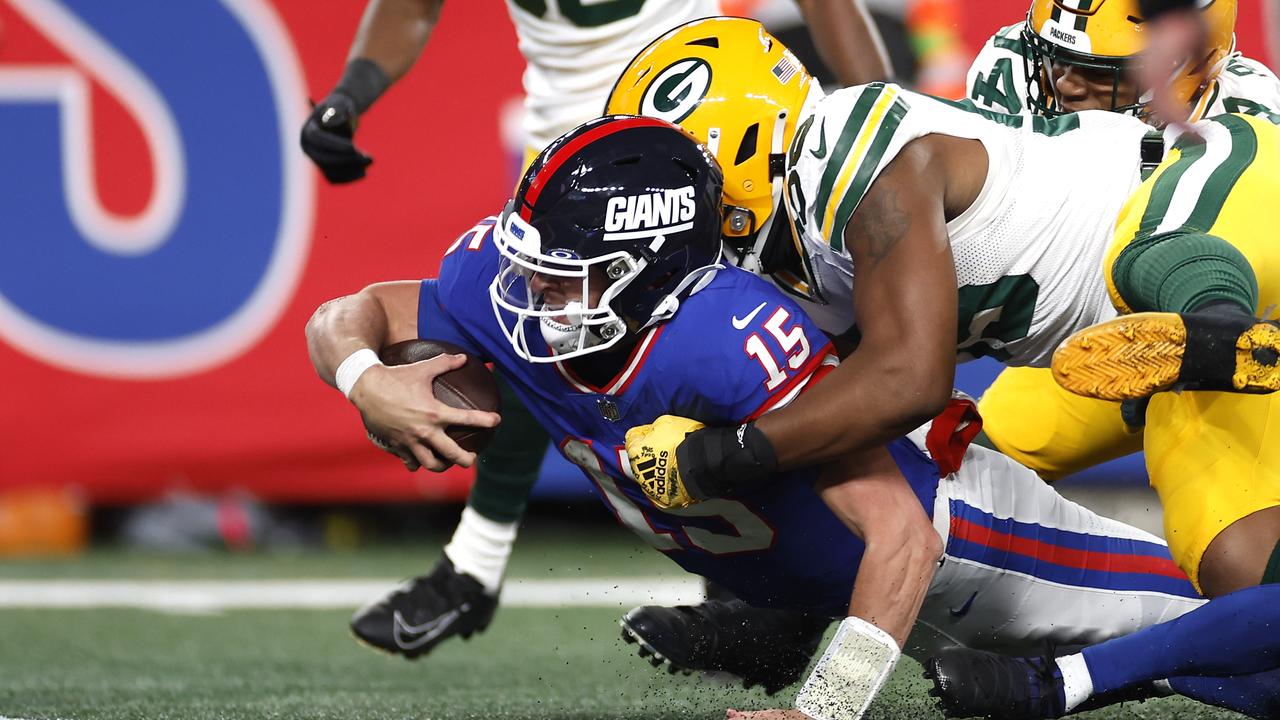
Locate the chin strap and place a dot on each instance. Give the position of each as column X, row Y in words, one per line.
column 751, row 257
column 668, row 306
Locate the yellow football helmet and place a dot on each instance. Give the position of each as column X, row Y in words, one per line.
column 740, row 91
column 1107, row 36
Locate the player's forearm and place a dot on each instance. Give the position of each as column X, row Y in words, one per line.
column 869, row 494
column 847, row 40
column 901, row 374
column 892, row 581
column 872, row 398
column 367, row 319
column 392, row 33
column 341, row 327
column 893, row 577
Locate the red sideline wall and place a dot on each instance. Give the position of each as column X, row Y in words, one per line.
column 262, row 420
column 89, row 396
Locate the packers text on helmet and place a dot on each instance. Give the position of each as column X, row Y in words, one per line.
column 1104, row 38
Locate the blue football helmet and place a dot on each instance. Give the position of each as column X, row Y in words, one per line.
column 626, row 208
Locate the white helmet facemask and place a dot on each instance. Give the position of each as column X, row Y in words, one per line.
column 578, row 327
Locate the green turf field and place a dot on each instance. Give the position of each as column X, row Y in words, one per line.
column 532, row 662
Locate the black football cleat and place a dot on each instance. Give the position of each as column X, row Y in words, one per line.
column 1133, row 356
column 424, row 611
column 770, row 648
column 975, row 683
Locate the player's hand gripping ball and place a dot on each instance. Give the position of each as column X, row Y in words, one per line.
column 470, row 387
column 652, row 452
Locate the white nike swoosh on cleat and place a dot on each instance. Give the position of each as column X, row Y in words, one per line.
column 742, row 324
column 410, row 637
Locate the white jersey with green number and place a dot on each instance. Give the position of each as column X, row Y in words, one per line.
column 997, row 81
column 575, row 49
column 1028, row 252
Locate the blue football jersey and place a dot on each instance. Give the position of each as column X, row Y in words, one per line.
column 733, row 351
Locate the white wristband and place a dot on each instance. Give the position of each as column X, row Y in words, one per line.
column 350, row 370
column 854, row 667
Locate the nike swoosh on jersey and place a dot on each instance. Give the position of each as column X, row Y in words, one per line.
column 744, row 322
column 821, row 152
column 409, row 637
column 964, row 609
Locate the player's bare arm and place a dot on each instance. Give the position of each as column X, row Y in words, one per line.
column 397, row 403
column 905, row 294
column 847, row 40
column 392, row 33
column 868, row 493
column 391, row 36
column 377, row 316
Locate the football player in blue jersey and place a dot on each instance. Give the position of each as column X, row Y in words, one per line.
column 598, row 293
column 574, row 51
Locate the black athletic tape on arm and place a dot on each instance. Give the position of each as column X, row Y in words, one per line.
column 1271, row 576
column 723, row 461
column 363, row 81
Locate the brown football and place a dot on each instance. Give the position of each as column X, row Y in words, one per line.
column 471, row 386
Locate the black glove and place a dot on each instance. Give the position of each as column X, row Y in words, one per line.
column 326, row 139
column 725, row 461
column 327, row 134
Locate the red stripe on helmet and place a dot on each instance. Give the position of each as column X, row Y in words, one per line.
column 566, row 151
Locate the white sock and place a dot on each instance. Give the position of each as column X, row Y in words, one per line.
column 480, row 548
column 1076, row 681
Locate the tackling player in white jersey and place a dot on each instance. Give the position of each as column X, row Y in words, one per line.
column 990, row 229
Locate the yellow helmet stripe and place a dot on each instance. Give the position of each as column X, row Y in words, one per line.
column 858, row 157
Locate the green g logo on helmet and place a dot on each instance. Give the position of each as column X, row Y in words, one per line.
column 677, row 90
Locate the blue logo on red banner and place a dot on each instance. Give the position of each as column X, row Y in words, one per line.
column 205, row 268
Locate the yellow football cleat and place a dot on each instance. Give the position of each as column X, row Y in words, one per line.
column 1134, row 356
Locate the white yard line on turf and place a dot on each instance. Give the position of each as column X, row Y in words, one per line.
column 214, row 595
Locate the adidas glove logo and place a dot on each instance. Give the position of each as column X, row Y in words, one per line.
column 652, row 470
